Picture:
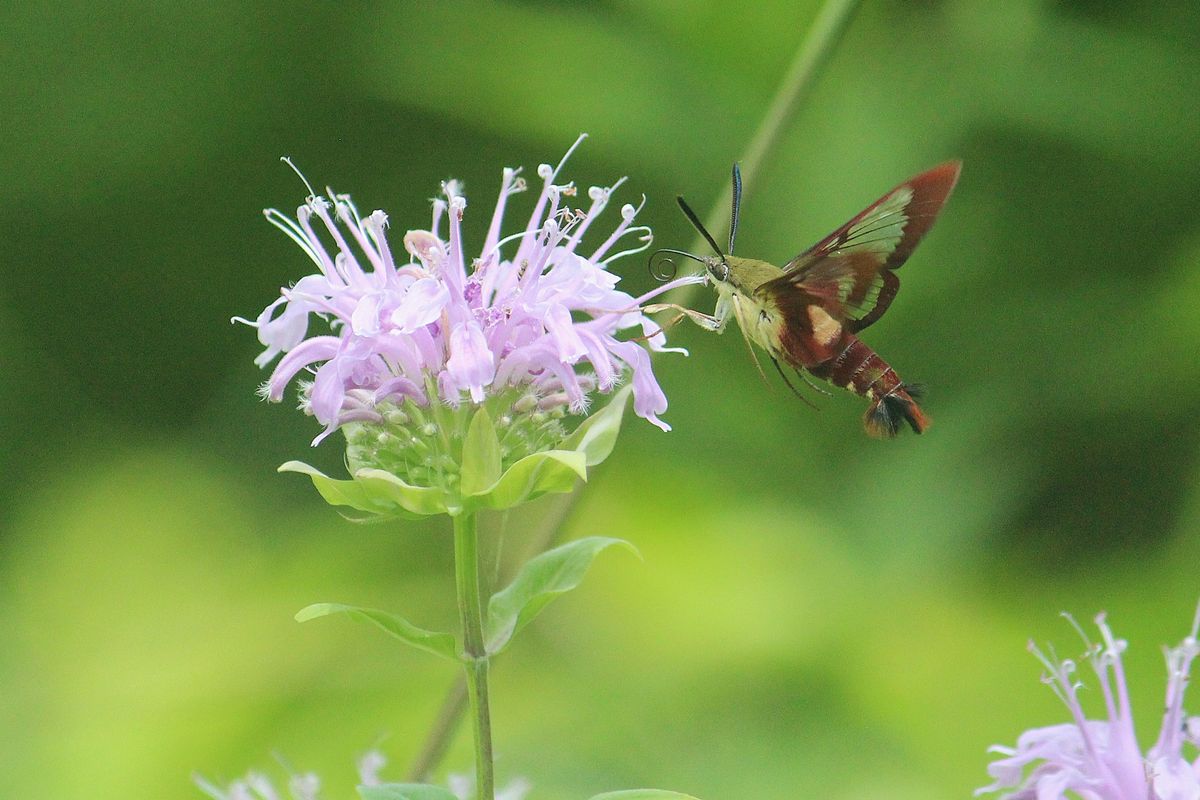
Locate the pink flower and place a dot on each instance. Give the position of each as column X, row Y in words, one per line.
column 1101, row 759
column 544, row 323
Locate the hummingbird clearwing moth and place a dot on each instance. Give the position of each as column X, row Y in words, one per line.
column 808, row 313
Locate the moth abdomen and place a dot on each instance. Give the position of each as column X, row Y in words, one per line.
column 861, row 370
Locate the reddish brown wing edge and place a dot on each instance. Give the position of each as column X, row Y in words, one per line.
column 817, row 270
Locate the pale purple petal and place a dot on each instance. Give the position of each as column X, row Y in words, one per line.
column 308, row 352
column 471, row 364
column 1100, row 759
column 648, row 398
column 566, row 340
column 369, row 766
column 1175, row 779
column 365, row 319
column 422, row 304
column 328, row 391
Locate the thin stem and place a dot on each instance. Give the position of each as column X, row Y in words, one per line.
column 466, row 571
column 438, row 743
column 823, row 35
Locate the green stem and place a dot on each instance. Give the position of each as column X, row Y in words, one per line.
column 466, row 571
column 823, row 35
column 549, row 530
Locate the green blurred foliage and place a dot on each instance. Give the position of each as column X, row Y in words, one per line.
column 818, row 614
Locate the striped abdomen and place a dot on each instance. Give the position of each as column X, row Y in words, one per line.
column 860, row 369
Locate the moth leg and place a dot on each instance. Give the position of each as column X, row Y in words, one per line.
column 709, row 323
column 742, row 328
column 814, row 386
column 662, row 329
column 795, row 390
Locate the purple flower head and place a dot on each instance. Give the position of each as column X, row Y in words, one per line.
column 257, row 786
column 449, row 325
column 1101, row 759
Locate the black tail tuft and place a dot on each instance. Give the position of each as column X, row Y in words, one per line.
column 883, row 418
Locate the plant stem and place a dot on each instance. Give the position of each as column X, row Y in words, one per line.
column 549, row 530
column 438, row 743
column 823, row 35
column 812, row 54
column 466, row 571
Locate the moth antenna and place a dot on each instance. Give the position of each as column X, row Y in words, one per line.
column 663, row 260
column 795, row 391
column 736, row 207
column 698, row 225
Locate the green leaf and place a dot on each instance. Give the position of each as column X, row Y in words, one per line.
column 542, row 579
column 597, row 434
column 436, row 642
column 416, row 500
column 643, row 794
column 481, row 455
column 405, row 791
column 374, row 491
column 531, row 477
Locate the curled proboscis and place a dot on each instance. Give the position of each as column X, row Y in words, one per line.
column 662, row 267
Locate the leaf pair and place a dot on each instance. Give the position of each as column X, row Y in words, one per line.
column 542, row 579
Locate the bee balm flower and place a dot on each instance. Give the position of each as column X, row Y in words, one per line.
column 1101, row 759
column 414, row 346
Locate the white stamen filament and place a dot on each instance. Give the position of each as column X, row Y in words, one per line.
column 628, row 212
column 599, row 196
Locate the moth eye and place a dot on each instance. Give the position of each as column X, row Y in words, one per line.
column 720, row 271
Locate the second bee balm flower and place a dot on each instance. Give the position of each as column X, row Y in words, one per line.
column 451, row 384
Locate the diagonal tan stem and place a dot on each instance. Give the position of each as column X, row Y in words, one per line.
column 823, row 35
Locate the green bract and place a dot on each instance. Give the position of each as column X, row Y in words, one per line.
column 479, row 478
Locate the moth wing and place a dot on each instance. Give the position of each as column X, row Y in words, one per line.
column 850, row 273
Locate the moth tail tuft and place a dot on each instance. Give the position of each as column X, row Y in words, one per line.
column 884, row 417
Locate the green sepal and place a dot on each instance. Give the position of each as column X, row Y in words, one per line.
column 481, row 455
column 543, row 578
column 547, row 472
column 376, row 492
column 436, row 642
column 643, row 794
column 597, row 435
column 405, row 791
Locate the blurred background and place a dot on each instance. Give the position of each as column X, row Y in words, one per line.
column 818, row 614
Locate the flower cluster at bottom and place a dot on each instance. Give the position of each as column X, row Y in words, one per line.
column 1101, row 759
column 307, row 786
